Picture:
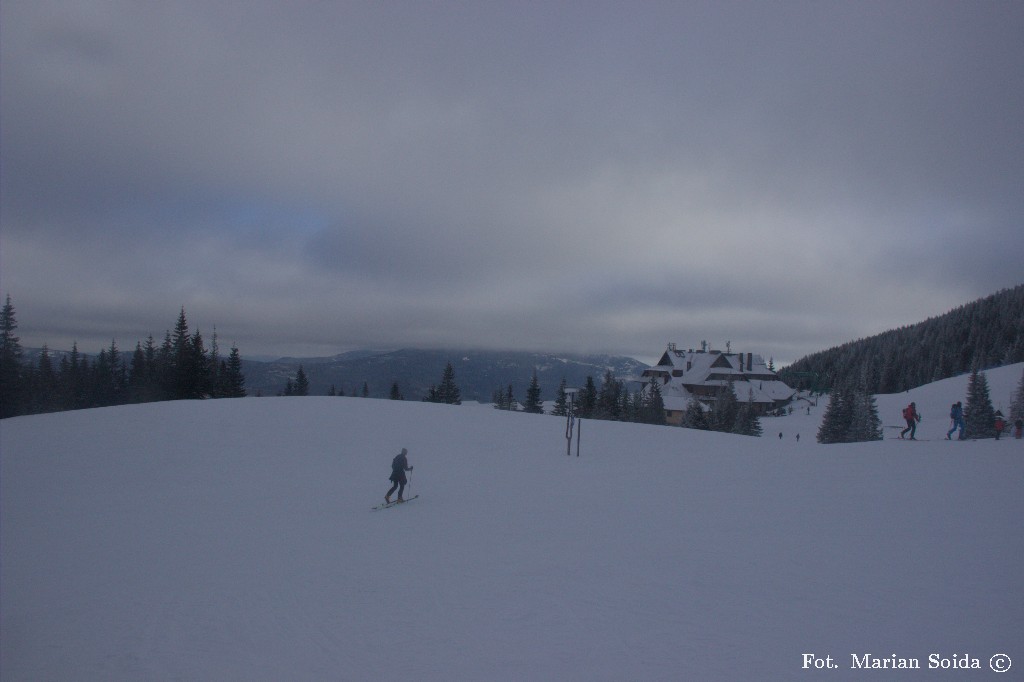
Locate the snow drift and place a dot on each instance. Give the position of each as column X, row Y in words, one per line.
column 233, row 540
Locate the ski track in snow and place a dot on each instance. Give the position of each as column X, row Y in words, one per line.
column 233, row 540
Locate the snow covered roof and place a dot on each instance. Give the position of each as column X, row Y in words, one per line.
column 694, row 370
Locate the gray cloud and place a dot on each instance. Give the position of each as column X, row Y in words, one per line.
column 316, row 177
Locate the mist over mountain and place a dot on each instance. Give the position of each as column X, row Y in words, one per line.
column 478, row 373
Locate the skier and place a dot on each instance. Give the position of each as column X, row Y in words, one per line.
column 912, row 417
column 399, row 465
column 957, row 415
column 1000, row 424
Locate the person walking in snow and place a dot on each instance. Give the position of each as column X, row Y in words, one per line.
column 1018, row 428
column 957, row 415
column 912, row 417
column 1000, row 424
column 399, row 465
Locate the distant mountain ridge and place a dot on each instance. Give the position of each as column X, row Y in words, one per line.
column 477, row 373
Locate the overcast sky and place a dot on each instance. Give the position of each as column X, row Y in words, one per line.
column 314, row 177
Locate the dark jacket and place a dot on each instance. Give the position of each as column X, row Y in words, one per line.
column 399, row 465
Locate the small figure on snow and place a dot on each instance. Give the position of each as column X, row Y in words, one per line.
column 1000, row 424
column 912, row 417
column 399, row 465
column 956, row 414
column 1018, row 428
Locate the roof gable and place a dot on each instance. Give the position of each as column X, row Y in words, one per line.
column 722, row 361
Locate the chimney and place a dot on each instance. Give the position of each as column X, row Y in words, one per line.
column 750, row 362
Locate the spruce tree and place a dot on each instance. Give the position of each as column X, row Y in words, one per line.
column 396, row 394
column 653, row 405
column 724, row 410
column 694, row 416
column 511, row 403
column 197, row 375
column 448, row 392
column 627, row 413
column 180, row 359
column 136, row 374
column 609, row 398
column 301, row 386
column 747, row 422
column 45, row 384
column 214, row 364
column 561, row 408
column 533, row 403
column 233, row 379
column 1017, row 405
column 10, row 363
column 979, row 416
column 586, row 401
column 835, row 425
column 865, row 424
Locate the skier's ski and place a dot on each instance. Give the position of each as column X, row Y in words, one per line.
column 395, row 502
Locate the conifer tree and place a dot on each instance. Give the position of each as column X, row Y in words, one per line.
column 865, row 424
column 448, row 392
column 724, row 410
column 214, row 364
column 609, row 398
column 10, row 363
column 396, row 394
column 627, row 408
column 979, row 415
column 137, row 375
column 197, row 375
column 747, row 423
column 301, row 386
column 233, row 379
column 1017, row 404
column 694, row 416
column 509, row 402
column 533, row 403
column 586, row 401
column 73, row 378
column 636, row 405
column 561, row 408
column 653, row 410
column 835, row 425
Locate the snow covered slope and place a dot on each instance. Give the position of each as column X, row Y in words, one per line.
column 233, row 540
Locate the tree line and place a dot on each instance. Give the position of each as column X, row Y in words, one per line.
column 980, row 335
column 613, row 401
column 180, row 368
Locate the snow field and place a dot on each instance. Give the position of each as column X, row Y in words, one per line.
column 232, row 540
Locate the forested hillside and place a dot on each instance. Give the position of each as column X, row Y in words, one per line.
column 986, row 333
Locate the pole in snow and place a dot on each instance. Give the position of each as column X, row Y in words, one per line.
column 570, row 421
